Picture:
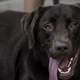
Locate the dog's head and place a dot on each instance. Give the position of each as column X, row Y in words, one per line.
column 55, row 31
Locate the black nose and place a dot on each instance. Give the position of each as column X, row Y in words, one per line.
column 62, row 48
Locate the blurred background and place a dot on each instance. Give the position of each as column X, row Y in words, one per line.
column 17, row 5
column 30, row 5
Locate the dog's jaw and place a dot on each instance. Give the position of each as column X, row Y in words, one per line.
column 63, row 71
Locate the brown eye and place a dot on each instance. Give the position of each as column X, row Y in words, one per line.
column 73, row 26
column 48, row 27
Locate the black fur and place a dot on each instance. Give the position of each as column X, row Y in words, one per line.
column 26, row 44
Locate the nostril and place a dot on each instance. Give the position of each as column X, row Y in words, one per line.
column 61, row 48
column 65, row 48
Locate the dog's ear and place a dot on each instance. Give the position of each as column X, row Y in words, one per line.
column 28, row 24
column 76, row 10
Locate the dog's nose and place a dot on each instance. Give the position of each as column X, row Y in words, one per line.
column 62, row 46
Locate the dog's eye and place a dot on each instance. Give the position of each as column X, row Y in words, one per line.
column 72, row 26
column 48, row 27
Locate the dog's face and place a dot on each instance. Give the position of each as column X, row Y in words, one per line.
column 57, row 34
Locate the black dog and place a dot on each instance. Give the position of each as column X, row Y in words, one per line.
column 43, row 46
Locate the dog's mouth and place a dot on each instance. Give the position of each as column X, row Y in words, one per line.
column 63, row 69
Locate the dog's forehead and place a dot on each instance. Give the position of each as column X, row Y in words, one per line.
column 56, row 12
column 61, row 10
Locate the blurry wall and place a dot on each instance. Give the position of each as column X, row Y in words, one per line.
column 21, row 5
column 70, row 1
column 48, row 2
column 17, row 5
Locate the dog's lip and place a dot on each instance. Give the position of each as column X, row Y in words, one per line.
column 65, row 71
column 66, row 67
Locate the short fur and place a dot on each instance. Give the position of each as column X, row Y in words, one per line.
column 25, row 42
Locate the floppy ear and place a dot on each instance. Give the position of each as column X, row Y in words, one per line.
column 76, row 10
column 28, row 24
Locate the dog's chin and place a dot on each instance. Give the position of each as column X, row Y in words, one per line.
column 66, row 67
column 63, row 68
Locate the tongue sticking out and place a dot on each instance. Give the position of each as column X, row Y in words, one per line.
column 53, row 69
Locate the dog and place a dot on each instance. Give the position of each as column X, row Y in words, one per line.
column 43, row 45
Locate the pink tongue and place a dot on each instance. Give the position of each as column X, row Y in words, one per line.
column 53, row 67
